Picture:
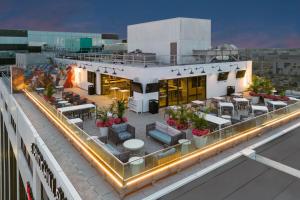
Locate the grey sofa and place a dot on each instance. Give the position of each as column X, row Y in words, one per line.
column 164, row 133
column 119, row 133
column 122, row 156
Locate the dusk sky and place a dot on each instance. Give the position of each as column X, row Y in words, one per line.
column 252, row 23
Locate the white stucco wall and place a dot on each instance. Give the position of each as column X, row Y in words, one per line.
column 154, row 74
column 155, row 37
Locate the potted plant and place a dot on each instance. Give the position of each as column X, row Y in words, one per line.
column 182, row 118
column 171, row 121
column 255, row 88
column 49, row 92
column 267, row 88
column 104, row 121
column 120, row 107
column 199, row 129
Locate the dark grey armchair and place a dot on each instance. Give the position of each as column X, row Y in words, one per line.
column 119, row 133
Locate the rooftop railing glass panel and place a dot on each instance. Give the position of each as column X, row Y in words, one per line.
column 178, row 152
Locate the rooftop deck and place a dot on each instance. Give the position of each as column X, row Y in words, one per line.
column 86, row 178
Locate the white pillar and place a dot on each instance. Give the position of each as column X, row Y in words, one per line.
column 98, row 83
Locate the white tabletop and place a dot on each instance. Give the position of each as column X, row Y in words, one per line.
column 184, row 141
column 262, row 108
column 215, row 119
column 236, row 94
column 78, row 107
column 114, row 88
column 198, row 102
column 123, row 90
column 226, row 116
column 240, row 99
column 225, row 104
column 219, row 98
column 40, row 88
column 133, row 144
column 277, row 103
column 294, row 99
column 136, row 160
column 62, row 102
column 59, row 87
column 75, row 121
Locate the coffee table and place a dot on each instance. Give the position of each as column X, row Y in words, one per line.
column 133, row 144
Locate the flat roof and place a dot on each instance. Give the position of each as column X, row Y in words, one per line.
column 246, row 179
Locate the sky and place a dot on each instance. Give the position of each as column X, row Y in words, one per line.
column 247, row 24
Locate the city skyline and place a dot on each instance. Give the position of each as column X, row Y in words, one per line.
column 247, row 25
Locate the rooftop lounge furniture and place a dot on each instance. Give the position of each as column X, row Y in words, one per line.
column 122, row 156
column 164, row 133
column 165, row 156
column 119, row 133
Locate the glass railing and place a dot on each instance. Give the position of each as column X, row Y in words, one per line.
column 180, row 151
column 86, row 140
column 126, row 171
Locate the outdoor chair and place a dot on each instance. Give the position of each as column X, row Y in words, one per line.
column 119, row 133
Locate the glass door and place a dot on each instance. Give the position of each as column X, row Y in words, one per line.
column 163, row 93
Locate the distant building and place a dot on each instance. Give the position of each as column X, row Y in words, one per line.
column 22, row 41
column 287, row 65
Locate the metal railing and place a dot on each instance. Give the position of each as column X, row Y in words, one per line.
column 147, row 163
column 179, row 151
column 147, row 60
column 6, row 80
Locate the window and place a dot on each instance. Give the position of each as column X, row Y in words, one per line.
column 13, row 123
column 91, row 77
column 26, row 154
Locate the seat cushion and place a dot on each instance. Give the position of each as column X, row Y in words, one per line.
column 119, row 127
column 111, row 149
column 124, row 135
column 165, row 138
column 166, row 153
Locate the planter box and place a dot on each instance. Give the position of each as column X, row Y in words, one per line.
column 103, row 131
column 200, row 141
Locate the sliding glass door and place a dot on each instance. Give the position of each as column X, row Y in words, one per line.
column 182, row 91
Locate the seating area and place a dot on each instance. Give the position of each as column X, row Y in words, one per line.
column 164, row 133
column 141, row 140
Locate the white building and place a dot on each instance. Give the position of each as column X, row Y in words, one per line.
column 176, row 37
column 177, row 81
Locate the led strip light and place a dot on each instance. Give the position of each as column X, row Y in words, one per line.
column 129, row 181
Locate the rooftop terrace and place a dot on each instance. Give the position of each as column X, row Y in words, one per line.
column 125, row 176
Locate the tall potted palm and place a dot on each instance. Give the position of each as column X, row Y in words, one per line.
column 104, row 120
column 120, row 107
column 255, row 88
column 182, row 118
column 199, row 129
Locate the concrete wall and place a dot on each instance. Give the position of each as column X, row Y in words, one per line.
column 155, row 37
